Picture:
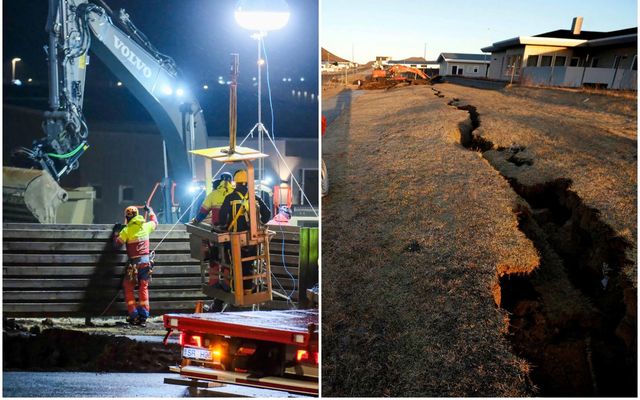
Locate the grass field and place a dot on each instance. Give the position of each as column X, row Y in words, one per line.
column 454, row 272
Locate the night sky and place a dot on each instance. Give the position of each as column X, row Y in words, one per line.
column 199, row 35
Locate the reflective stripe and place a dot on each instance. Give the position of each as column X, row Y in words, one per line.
column 144, row 303
column 133, row 302
column 138, row 239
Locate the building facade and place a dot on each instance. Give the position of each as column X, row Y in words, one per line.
column 463, row 64
column 568, row 58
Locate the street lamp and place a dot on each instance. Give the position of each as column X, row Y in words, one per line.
column 13, row 68
column 261, row 16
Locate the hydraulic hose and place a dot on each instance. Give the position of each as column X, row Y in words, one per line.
column 69, row 154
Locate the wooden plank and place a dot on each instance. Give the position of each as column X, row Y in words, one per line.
column 289, row 248
column 66, row 271
column 79, row 283
column 279, row 259
column 111, row 258
column 79, row 235
column 95, row 227
column 66, row 295
column 288, row 237
column 284, row 228
column 82, row 247
column 157, row 307
column 280, row 270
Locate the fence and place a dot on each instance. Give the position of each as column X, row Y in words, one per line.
column 73, row 270
column 612, row 78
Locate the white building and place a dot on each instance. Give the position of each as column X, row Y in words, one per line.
column 464, row 64
column 570, row 58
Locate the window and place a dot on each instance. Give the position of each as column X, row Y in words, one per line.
column 560, row 61
column 574, row 61
column 126, row 194
column 454, row 70
column 475, row 69
column 459, row 70
column 545, row 61
column 594, row 62
column 532, row 61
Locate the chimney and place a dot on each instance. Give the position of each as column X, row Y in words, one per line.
column 576, row 25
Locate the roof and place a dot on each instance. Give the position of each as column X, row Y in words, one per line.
column 565, row 38
column 464, row 57
column 326, row 55
column 420, row 60
column 587, row 35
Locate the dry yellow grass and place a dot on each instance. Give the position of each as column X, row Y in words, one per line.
column 398, row 322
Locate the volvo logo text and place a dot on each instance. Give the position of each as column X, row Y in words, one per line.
column 133, row 59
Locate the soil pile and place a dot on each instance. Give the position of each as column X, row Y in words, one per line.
column 57, row 349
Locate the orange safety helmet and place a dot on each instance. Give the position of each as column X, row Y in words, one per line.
column 130, row 212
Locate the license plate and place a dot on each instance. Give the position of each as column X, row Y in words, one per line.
column 196, row 354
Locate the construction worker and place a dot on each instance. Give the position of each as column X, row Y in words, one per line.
column 234, row 216
column 221, row 188
column 136, row 236
column 218, row 275
column 282, row 217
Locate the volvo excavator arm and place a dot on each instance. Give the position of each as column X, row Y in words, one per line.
column 75, row 27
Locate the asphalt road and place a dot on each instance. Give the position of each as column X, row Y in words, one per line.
column 91, row 384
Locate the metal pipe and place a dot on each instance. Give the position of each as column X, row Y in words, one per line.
column 260, row 129
column 233, row 102
column 164, row 157
column 54, row 89
column 192, row 142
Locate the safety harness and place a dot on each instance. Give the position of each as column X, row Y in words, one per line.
column 132, row 266
column 239, row 209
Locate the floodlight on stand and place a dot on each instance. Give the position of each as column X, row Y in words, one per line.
column 261, row 16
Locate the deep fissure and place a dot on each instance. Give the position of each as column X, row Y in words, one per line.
column 591, row 349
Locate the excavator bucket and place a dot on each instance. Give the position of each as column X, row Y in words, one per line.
column 30, row 195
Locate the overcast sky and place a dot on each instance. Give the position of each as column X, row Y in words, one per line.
column 400, row 29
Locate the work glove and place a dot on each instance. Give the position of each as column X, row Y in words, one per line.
column 117, row 228
column 146, row 208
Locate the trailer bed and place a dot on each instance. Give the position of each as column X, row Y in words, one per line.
column 293, row 327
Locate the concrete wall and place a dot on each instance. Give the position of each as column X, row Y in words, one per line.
column 498, row 62
column 467, row 69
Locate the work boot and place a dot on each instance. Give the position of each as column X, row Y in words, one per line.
column 142, row 322
column 133, row 320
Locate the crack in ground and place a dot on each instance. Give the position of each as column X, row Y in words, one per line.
column 588, row 350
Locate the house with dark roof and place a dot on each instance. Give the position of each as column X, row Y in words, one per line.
column 568, row 57
column 463, row 64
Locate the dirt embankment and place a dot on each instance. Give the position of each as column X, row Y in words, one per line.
column 575, row 317
column 414, row 230
column 32, row 348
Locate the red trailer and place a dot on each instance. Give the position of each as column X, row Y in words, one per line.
column 265, row 349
